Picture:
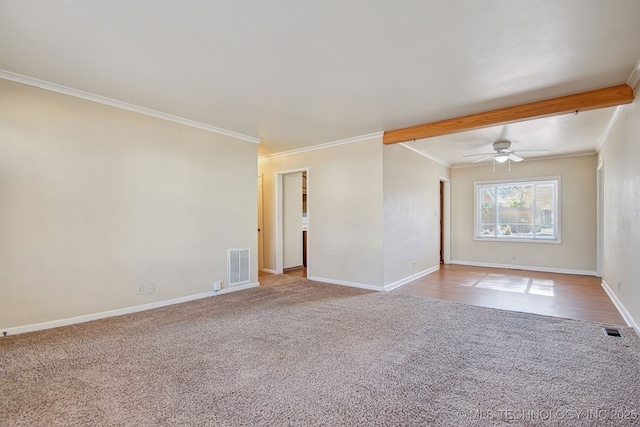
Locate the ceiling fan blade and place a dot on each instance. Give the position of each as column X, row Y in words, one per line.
column 484, row 158
column 479, row 154
column 515, row 158
column 534, row 151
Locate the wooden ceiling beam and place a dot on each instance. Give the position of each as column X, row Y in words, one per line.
column 585, row 101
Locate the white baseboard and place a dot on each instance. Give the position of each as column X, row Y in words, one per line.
column 406, row 280
column 526, row 267
column 621, row 308
column 120, row 311
column 268, row 270
column 236, row 288
column 345, row 283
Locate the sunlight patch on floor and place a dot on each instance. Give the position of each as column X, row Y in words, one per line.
column 523, row 285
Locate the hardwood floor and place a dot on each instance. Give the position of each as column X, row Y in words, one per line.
column 551, row 294
column 296, row 271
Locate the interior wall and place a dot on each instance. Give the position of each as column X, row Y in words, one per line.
column 577, row 253
column 292, row 220
column 411, row 213
column 96, row 201
column 621, row 157
column 344, row 208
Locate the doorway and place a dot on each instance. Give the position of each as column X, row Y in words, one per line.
column 260, row 226
column 600, row 219
column 445, row 220
column 292, row 222
column 441, row 261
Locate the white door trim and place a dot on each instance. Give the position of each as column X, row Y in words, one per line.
column 279, row 225
column 600, row 218
column 446, row 220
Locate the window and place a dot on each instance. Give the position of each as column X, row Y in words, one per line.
column 518, row 211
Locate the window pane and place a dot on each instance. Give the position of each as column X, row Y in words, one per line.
column 487, row 226
column 517, row 210
column 515, row 214
column 544, row 211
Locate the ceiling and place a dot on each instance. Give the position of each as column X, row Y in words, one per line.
column 300, row 73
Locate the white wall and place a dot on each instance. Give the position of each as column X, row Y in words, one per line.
column 95, row 201
column 344, row 208
column 576, row 253
column 292, row 219
column 621, row 157
column 411, row 213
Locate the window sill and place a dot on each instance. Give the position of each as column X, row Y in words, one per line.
column 516, row 240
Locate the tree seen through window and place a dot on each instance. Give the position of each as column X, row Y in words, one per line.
column 517, row 210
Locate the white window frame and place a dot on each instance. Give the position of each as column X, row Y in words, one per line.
column 481, row 185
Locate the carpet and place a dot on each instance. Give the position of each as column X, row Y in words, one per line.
column 304, row 353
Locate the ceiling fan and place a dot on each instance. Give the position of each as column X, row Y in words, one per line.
column 503, row 152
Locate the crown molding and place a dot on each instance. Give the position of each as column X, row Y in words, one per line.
column 604, row 136
column 323, row 146
column 30, row 81
column 422, row 153
column 537, row 159
column 634, row 78
column 632, row 81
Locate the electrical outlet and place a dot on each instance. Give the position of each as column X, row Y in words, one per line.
column 140, row 289
column 619, row 285
column 217, row 285
column 150, row 288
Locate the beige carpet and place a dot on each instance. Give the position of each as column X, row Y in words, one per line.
column 302, row 353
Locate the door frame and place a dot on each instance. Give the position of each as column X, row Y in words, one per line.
column 260, row 223
column 279, row 219
column 600, row 218
column 445, row 217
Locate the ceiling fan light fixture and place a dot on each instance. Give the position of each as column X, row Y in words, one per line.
column 501, row 158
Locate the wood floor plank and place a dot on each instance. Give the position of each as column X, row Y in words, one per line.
column 552, row 294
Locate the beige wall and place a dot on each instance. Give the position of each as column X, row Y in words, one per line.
column 621, row 157
column 576, row 253
column 344, row 208
column 411, row 213
column 95, row 201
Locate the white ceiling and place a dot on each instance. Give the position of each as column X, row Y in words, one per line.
column 302, row 73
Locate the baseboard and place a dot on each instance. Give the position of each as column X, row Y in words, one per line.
column 621, row 308
column 236, row 288
column 345, row 283
column 268, row 270
column 120, row 311
column 406, row 280
column 526, row 267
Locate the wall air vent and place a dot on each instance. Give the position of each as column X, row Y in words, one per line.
column 238, row 266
